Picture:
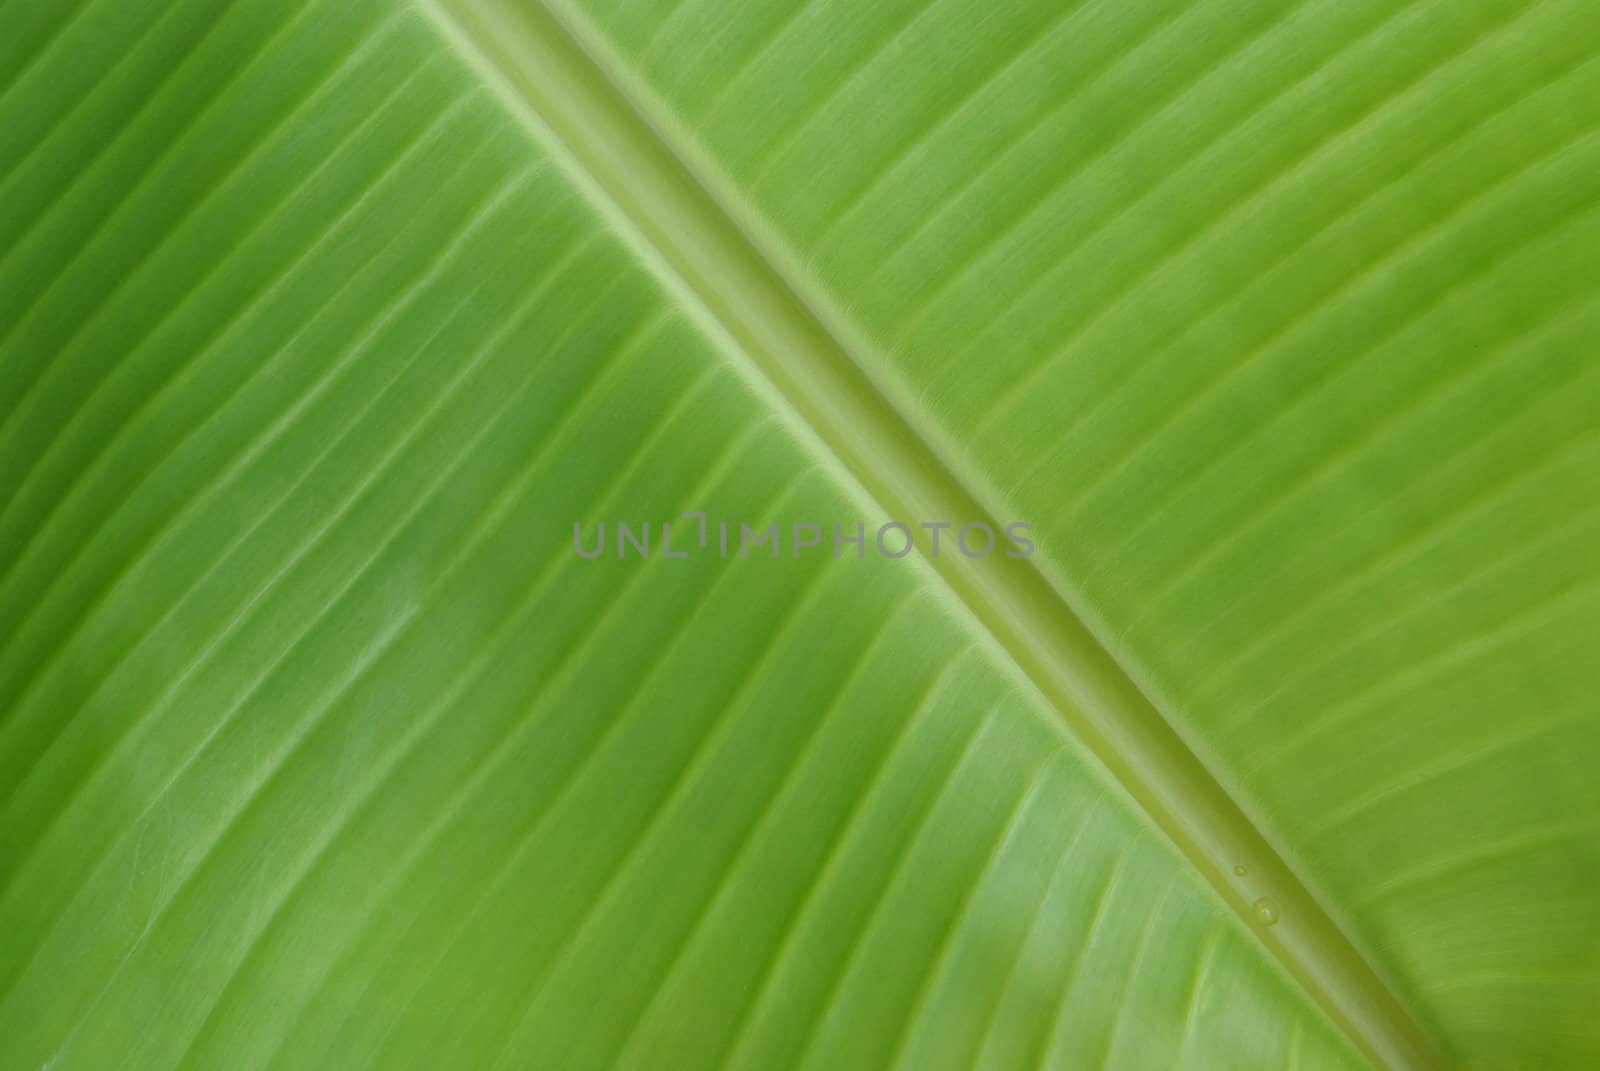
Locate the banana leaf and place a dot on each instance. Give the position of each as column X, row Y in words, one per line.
column 673, row 534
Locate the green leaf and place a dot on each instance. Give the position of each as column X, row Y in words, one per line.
column 323, row 324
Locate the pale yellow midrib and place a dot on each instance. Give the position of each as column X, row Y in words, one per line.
column 649, row 179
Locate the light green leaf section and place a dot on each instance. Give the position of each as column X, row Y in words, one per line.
column 1279, row 320
column 322, row 322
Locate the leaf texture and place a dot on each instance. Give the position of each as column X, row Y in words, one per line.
column 1278, row 319
column 322, row 322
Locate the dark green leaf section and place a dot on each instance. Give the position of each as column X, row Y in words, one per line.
column 319, row 747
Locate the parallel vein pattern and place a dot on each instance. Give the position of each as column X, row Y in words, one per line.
column 1278, row 320
column 318, row 745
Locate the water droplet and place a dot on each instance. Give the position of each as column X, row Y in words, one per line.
column 1241, row 870
column 1266, row 911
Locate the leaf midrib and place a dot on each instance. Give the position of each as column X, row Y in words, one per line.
column 718, row 257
